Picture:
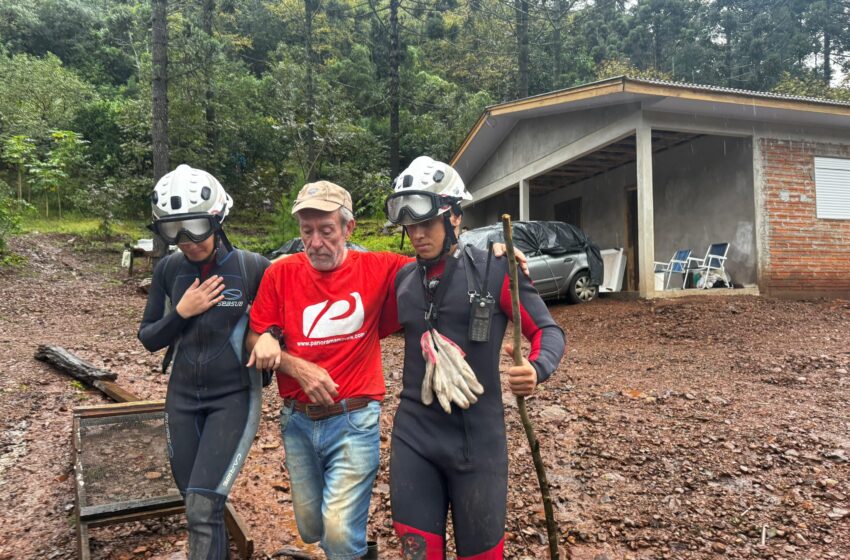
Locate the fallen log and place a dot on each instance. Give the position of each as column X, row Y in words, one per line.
column 79, row 369
column 73, row 365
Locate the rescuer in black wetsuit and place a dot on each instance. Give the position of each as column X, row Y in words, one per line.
column 198, row 308
column 459, row 459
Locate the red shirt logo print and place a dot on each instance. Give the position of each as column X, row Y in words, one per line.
column 326, row 319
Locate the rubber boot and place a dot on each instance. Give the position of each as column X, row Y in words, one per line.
column 207, row 533
column 371, row 551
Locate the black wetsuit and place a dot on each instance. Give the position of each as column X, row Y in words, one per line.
column 213, row 402
column 461, row 458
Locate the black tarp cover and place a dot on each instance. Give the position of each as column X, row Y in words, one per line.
column 542, row 238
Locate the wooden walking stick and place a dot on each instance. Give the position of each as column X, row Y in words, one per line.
column 551, row 527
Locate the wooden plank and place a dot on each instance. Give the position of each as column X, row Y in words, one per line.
column 83, row 550
column 92, row 513
column 79, row 483
column 736, row 98
column 238, row 532
column 138, row 516
column 579, row 93
column 117, row 409
column 115, row 391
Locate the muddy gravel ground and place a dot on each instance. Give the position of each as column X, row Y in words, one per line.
column 686, row 428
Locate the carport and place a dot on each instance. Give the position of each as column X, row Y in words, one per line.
column 650, row 167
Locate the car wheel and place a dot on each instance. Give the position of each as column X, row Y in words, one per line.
column 581, row 290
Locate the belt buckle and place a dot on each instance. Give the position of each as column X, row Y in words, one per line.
column 314, row 410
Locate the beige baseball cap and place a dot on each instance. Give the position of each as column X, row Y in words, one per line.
column 322, row 195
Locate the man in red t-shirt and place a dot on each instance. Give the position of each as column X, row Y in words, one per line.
column 316, row 320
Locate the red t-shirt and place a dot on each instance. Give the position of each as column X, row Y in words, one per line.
column 330, row 318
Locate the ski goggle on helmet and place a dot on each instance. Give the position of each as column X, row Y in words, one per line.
column 412, row 207
column 186, row 227
column 426, row 189
column 188, row 205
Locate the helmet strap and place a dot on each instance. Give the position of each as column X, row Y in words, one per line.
column 222, row 238
column 451, row 238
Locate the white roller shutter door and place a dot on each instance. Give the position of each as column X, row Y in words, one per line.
column 832, row 186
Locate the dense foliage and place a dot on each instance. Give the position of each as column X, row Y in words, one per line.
column 263, row 96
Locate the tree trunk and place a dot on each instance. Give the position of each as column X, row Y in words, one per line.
column 728, row 54
column 394, row 90
column 557, row 48
column 159, row 89
column 309, row 9
column 521, row 8
column 827, row 45
column 212, row 139
column 827, row 69
column 20, row 182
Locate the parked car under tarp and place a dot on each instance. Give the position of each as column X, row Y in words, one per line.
column 563, row 261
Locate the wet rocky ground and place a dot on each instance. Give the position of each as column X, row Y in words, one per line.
column 686, row 428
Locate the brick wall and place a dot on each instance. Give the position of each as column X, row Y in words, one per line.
column 805, row 255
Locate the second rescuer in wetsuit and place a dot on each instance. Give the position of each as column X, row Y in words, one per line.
column 458, row 459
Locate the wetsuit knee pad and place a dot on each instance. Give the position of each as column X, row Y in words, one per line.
column 419, row 545
column 207, row 532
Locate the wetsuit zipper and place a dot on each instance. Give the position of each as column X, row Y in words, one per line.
column 200, row 344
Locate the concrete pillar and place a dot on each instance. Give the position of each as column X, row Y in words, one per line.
column 524, row 195
column 760, row 217
column 645, row 210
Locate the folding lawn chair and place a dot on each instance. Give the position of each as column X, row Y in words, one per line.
column 714, row 261
column 678, row 264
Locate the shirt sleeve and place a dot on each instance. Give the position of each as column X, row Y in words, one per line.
column 548, row 341
column 266, row 310
column 261, row 264
column 160, row 326
column 388, row 322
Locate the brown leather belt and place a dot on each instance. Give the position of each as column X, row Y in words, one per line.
column 321, row 411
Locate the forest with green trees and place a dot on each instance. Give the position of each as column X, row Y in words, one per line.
column 100, row 97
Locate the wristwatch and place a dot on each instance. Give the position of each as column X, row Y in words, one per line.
column 277, row 334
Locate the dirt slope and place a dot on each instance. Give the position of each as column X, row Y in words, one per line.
column 694, row 428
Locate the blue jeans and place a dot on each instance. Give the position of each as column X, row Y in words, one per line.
column 332, row 465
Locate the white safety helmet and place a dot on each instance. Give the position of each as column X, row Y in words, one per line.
column 427, row 188
column 189, row 191
column 426, row 174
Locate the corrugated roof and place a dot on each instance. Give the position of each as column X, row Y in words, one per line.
column 765, row 94
column 685, row 85
column 615, row 88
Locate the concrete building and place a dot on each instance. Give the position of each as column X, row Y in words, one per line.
column 653, row 167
